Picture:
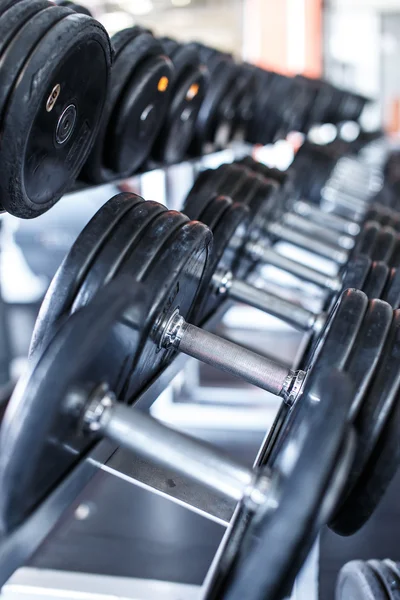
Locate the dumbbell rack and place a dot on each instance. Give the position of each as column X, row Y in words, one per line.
column 169, row 186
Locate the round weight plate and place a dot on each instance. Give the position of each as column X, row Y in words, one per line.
column 389, row 578
column 395, row 258
column 207, row 121
column 132, row 46
column 178, row 130
column 366, row 240
column 384, row 245
column 391, row 294
column 376, row 280
column 138, row 116
column 367, row 349
column 73, row 270
column 356, row 272
column 330, row 350
column 76, row 7
column 370, row 423
column 304, row 483
column 44, row 142
column 20, row 47
column 110, row 256
column 358, row 581
column 173, row 279
column 228, row 222
column 37, row 428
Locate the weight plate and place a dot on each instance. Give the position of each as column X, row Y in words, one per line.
column 391, row 294
column 330, row 350
column 128, row 84
column 173, row 279
column 384, row 245
column 395, row 258
column 178, row 130
column 367, row 349
column 36, row 427
column 366, row 240
column 74, row 268
column 76, row 7
column 376, row 280
column 358, row 581
column 111, row 255
column 33, row 144
column 22, row 44
column 356, row 272
column 389, row 578
column 228, row 222
column 138, row 117
column 304, row 482
column 155, row 238
column 370, row 423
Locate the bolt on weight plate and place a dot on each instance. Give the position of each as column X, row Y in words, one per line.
column 37, row 169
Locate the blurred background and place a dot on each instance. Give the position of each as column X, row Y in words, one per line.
column 354, row 43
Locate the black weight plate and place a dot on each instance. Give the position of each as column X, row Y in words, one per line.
column 138, row 116
column 15, row 17
column 330, row 350
column 228, row 222
column 178, row 130
column 367, row 349
column 173, row 279
column 366, row 240
column 75, row 266
column 132, row 46
column 356, row 272
column 370, row 422
column 111, row 255
column 143, row 254
column 358, row 581
column 36, row 168
column 374, row 481
column 36, row 428
column 264, row 550
column 391, row 293
column 389, row 578
column 22, row 44
column 207, row 121
column 376, row 280
column 384, row 245
column 395, row 258
column 206, row 186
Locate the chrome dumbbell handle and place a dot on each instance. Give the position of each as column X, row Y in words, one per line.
column 230, row 357
column 328, row 220
column 160, row 445
column 311, row 228
column 269, row 256
column 293, row 314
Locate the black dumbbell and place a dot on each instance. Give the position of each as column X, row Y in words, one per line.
column 260, row 195
column 67, row 403
column 135, row 109
column 55, row 72
column 188, row 90
column 294, row 203
column 169, row 254
column 369, row 580
column 229, row 267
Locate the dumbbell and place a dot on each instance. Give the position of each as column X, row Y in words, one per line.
column 66, row 404
column 55, row 72
column 379, row 243
column 369, row 580
column 229, row 267
column 295, row 204
column 169, row 254
column 136, row 105
column 188, row 90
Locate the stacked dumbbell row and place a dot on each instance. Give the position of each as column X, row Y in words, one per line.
column 67, row 111
column 170, row 274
